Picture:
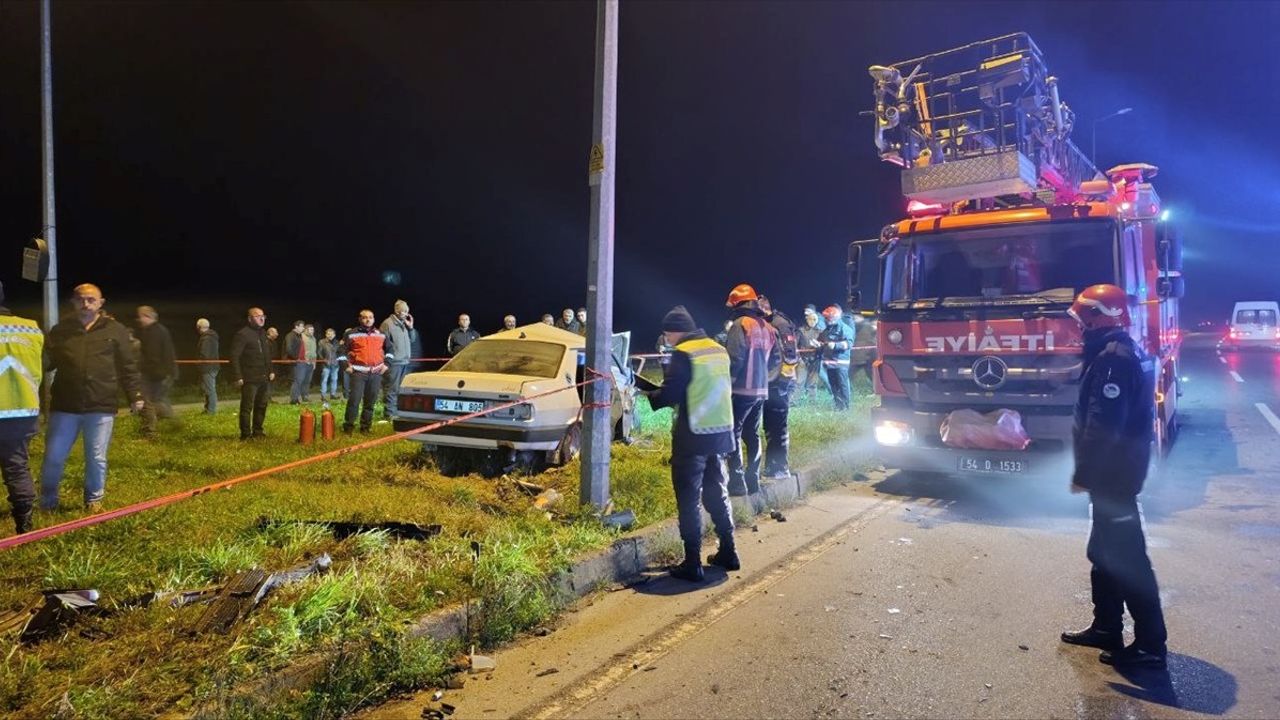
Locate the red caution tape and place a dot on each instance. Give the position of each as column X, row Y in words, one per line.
column 90, row 520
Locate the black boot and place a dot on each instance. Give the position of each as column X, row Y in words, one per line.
column 691, row 568
column 1134, row 657
column 726, row 556
column 22, row 521
column 1092, row 637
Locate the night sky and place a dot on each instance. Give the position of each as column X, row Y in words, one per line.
column 210, row 155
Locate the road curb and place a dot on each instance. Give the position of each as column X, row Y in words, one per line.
column 621, row 562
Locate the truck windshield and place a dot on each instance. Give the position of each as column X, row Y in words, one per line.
column 1017, row 264
column 508, row 357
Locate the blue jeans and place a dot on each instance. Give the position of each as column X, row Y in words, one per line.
column 329, row 380
column 209, row 385
column 395, row 373
column 301, row 378
column 59, row 437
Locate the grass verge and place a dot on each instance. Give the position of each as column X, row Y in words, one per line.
column 135, row 662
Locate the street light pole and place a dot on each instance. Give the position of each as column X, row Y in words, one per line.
column 601, row 170
column 46, row 105
column 1093, row 154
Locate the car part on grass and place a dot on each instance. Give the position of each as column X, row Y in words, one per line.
column 176, row 598
column 41, row 620
column 246, row 590
column 621, row 520
column 343, row 529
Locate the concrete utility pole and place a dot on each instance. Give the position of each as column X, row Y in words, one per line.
column 601, row 169
column 46, row 103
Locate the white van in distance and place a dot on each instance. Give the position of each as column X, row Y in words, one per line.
column 1253, row 325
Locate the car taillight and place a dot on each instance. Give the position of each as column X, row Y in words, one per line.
column 406, row 401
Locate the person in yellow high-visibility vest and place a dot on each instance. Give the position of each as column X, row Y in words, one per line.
column 21, row 367
column 697, row 383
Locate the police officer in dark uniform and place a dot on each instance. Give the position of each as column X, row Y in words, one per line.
column 782, row 386
column 1112, row 434
column 697, row 383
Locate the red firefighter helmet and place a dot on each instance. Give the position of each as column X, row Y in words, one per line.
column 831, row 313
column 740, row 294
column 1101, row 306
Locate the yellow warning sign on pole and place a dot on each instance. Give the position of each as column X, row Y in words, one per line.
column 596, row 163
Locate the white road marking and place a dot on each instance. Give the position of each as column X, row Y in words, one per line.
column 657, row 646
column 1236, row 375
column 1270, row 416
column 1222, row 360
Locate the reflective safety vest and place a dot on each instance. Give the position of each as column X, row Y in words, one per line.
column 21, row 358
column 709, row 399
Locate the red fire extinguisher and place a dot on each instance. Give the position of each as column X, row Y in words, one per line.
column 307, row 427
column 327, row 429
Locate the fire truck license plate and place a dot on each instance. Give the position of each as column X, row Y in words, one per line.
column 988, row 465
column 459, row 406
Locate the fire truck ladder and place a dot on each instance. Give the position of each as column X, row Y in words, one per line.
column 976, row 122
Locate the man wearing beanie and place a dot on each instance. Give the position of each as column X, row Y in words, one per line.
column 697, row 384
column 21, row 347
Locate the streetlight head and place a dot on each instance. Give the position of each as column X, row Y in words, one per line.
column 1124, row 111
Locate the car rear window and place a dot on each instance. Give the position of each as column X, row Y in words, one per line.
column 1256, row 317
column 509, row 357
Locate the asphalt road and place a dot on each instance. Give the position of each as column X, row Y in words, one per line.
column 903, row 597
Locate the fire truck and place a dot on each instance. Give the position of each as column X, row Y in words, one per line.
column 1007, row 220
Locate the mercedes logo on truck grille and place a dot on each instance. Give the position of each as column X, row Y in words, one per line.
column 989, row 372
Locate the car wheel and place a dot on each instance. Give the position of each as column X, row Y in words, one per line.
column 490, row 463
column 570, row 445
column 623, row 430
column 449, row 461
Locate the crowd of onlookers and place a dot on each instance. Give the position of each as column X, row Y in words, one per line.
column 93, row 359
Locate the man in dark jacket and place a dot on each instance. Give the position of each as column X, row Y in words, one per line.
column 398, row 327
column 295, row 351
column 697, row 384
column 462, row 336
column 782, row 386
column 327, row 350
column 837, row 340
column 809, row 340
column 252, row 371
column 753, row 356
column 207, row 349
column 569, row 321
column 159, row 367
column 1112, row 441
column 94, row 362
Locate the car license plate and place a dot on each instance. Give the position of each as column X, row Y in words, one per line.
column 989, row 465
column 459, row 406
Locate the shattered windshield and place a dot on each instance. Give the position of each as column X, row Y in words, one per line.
column 1016, row 264
column 509, row 357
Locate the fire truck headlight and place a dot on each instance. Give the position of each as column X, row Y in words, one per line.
column 895, row 336
column 892, row 432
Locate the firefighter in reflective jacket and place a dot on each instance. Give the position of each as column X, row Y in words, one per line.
column 21, row 365
column 696, row 382
column 837, row 340
column 1112, row 435
column 753, row 357
column 782, row 386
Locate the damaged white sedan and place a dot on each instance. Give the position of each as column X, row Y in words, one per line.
column 510, row 368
